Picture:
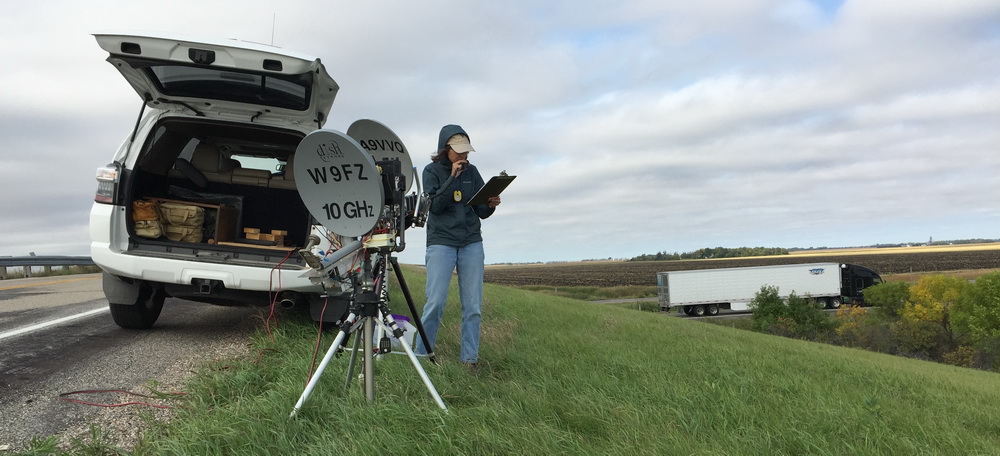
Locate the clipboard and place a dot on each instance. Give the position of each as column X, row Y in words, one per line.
column 491, row 189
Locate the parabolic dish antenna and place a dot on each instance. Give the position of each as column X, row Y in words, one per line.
column 383, row 144
column 338, row 182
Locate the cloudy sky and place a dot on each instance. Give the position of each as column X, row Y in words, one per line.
column 633, row 127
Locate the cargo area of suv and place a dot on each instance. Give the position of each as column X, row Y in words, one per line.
column 218, row 166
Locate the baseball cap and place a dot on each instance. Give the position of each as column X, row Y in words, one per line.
column 460, row 143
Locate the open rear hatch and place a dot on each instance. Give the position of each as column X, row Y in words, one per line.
column 223, row 79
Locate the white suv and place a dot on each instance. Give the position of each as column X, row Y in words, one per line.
column 221, row 125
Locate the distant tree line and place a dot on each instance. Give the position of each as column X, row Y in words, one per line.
column 717, row 252
column 964, row 241
column 903, row 244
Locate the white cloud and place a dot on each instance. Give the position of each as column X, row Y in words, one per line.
column 632, row 128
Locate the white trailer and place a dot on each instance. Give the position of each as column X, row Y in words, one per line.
column 706, row 291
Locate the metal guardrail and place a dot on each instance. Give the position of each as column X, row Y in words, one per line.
column 45, row 261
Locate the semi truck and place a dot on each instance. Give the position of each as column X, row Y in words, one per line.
column 706, row 291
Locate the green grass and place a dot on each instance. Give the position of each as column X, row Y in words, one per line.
column 595, row 293
column 561, row 376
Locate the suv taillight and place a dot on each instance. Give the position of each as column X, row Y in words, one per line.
column 107, row 183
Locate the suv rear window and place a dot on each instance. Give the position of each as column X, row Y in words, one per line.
column 265, row 163
column 281, row 91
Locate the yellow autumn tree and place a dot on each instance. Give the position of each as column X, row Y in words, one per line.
column 930, row 307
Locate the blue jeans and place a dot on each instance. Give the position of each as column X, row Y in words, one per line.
column 441, row 261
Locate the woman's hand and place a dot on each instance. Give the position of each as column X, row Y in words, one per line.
column 458, row 166
column 494, row 202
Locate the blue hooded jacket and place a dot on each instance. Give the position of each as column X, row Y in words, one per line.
column 452, row 222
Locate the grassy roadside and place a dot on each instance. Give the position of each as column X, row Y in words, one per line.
column 561, row 376
column 595, row 293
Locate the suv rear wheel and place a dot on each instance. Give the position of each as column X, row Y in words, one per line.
column 142, row 313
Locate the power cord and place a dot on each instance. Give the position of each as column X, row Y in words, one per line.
column 66, row 397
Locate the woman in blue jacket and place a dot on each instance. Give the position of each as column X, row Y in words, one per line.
column 454, row 239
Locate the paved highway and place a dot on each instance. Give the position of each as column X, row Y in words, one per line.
column 722, row 312
column 57, row 336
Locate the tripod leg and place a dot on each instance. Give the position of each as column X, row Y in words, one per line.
column 322, row 366
column 369, row 359
column 414, row 361
column 413, row 309
column 354, row 357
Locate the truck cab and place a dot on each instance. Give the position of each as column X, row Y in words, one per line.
column 854, row 280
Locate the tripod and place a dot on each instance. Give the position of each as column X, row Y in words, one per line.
column 369, row 308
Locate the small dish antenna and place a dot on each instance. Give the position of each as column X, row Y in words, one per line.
column 339, row 182
column 383, row 144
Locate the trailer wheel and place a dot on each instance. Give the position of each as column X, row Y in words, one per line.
column 686, row 310
column 712, row 309
column 698, row 311
column 835, row 303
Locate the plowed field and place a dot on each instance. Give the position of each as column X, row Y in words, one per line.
column 616, row 273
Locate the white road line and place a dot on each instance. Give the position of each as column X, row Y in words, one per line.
column 46, row 324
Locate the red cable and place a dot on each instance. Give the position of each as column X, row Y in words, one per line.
column 260, row 354
column 274, row 300
column 319, row 338
column 63, row 397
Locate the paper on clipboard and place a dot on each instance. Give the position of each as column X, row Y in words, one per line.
column 491, row 189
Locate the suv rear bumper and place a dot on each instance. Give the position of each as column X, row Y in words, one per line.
column 185, row 272
column 112, row 258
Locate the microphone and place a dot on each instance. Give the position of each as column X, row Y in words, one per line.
column 464, row 166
